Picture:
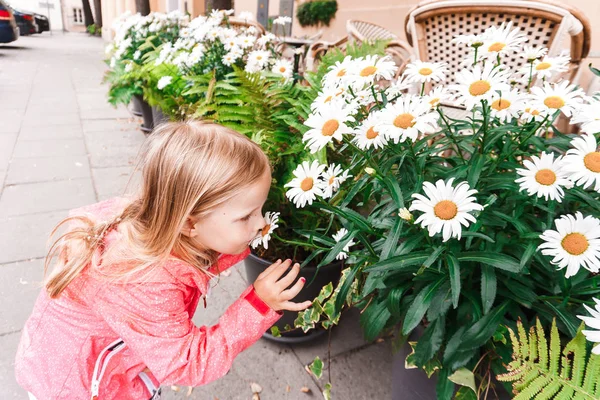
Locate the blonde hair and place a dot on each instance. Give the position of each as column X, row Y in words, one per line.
column 188, row 169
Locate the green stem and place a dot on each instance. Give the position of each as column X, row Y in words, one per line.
column 451, row 135
column 422, row 89
column 530, row 76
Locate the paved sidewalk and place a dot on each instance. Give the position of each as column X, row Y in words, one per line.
column 63, row 146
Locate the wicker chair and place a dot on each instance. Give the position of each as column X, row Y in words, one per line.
column 430, row 26
column 244, row 23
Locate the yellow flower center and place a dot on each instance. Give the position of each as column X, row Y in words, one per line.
column 592, row 161
column 543, row 65
column 545, row 177
column 266, row 229
column 368, row 71
column 496, row 46
column 341, row 72
column 306, row 184
column 532, row 111
column 480, row 87
column 500, row 104
column 259, row 57
column 282, row 69
column 404, row 121
column 425, row 71
column 575, row 243
column 434, row 102
column 554, row 102
column 372, row 133
column 331, row 180
column 328, row 99
column 445, row 210
column 330, row 127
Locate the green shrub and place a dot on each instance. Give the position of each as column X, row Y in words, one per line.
column 314, row 13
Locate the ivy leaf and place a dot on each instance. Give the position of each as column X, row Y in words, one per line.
column 316, row 367
column 464, row 377
column 275, row 331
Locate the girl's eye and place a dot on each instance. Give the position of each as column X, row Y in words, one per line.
column 246, row 218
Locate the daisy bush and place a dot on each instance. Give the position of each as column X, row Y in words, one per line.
column 126, row 53
column 460, row 226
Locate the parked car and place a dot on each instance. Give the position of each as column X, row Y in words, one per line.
column 42, row 22
column 9, row 31
column 25, row 21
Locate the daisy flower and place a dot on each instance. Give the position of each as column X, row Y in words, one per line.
column 245, row 41
column 266, row 38
column 560, row 96
column 545, row 68
column 445, row 208
column 530, row 113
column 339, row 73
column 582, row 163
column 327, row 97
column 544, row 176
column 506, row 105
column 438, row 95
column 501, row 40
column 406, row 119
column 592, row 322
column 479, row 84
column 305, row 187
column 338, row 237
column 163, row 82
column 531, row 53
column 282, row 20
column 421, row 72
column 271, row 219
column 374, row 67
column 469, row 40
column 367, row 135
column 588, row 115
column 332, row 179
column 574, row 244
column 328, row 122
column 283, row 67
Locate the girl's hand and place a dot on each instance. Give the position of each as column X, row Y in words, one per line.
column 274, row 292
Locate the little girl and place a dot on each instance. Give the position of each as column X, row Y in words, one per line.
column 114, row 320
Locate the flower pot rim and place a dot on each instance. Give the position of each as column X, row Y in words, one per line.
column 335, row 264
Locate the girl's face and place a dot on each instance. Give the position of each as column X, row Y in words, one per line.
column 229, row 228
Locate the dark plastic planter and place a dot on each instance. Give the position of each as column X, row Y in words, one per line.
column 254, row 265
column 136, row 107
column 148, row 124
column 158, row 117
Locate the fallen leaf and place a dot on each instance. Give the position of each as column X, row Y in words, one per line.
column 304, row 389
column 227, row 272
column 255, row 396
column 256, row 388
column 288, row 389
column 190, row 390
column 380, row 340
column 22, row 281
column 175, row 388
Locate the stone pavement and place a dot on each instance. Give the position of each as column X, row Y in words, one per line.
column 63, row 146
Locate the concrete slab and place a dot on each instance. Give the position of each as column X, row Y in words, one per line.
column 10, row 388
column 7, row 145
column 25, row 237
column 115, row 181
column 49, row 148
column 42, row 169
column 104, row 113
column 20, row 285
column 46, row 196
column 55, row 132
column 109, row 125
column 50, row 119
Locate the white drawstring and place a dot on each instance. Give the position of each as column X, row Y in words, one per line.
column 114, row 348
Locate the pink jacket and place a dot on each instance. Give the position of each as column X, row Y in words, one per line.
column 64, row 337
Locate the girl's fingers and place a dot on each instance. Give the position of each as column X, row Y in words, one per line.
column 287, row 280
column 269, row 269
column 290, row 306
column 294, row 290
column 279, row 270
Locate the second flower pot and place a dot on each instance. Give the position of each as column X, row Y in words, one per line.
column 146, row 110
column 254, row 265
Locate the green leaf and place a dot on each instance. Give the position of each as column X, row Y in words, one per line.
column 444, row 387
column 316, row 367
column 327, row 391
column 454, row 271
column 497, row 260
column 275, row 331
column 429, row 343
column 391, row 243
column 419, row 306
column 345, row 288
column 488, row 287
column 399, row 263
column 374, row 318
column 339, row 246
column 464, row 377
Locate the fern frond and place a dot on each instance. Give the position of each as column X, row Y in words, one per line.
column 537, row 372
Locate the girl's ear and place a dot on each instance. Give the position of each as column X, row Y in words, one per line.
column 189, row 228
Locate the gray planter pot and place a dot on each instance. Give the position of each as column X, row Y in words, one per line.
column 158, row 117
column 254, row 265
column 136, row 107
column 148, row 124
